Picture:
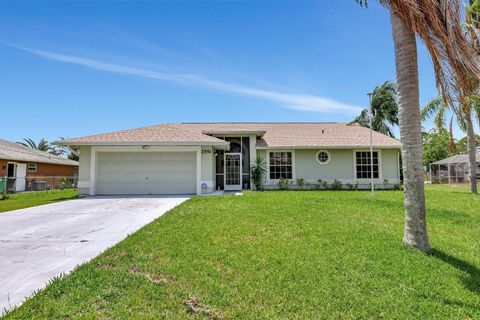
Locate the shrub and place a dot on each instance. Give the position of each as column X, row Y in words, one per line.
column 336, row 185
column 385, row 182
column 283, row 183
column 64, row 183
column 324, row 184
column 398, row 186
column 4, row 196
column 300, row 183
column 349, row 186
column 257, row 172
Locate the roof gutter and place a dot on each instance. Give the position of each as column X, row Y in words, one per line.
column 142, row 143
column 327, row 147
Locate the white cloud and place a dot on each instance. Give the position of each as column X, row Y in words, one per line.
column 302, row 102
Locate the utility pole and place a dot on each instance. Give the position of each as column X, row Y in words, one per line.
column 371, row 141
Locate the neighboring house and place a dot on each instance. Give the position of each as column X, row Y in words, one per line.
column 195, row 158
column 23, row 165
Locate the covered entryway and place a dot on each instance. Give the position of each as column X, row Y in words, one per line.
column 146, row 173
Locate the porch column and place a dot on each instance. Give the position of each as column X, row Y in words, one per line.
column 93, row 171
column 448, row 173
column 199, row 170
column 253, row 153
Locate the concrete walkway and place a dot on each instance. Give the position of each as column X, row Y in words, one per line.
column 41, row 242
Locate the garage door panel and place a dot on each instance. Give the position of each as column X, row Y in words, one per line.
column 146, row 173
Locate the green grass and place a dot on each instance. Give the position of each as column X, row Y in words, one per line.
column 31, row 199
column 282, row 255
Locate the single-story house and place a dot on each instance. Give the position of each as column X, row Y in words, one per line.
column 23, row 165
column 196, row 158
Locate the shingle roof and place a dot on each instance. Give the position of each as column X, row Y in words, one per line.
column 459, row 158
column 17, row 152
column 270, row 135
column 160, row 134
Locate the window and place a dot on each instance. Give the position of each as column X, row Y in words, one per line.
column 280, row 164
column 363, row 165
column 323, row 157
column 32, row 167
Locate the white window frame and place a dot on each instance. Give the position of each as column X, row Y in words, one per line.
column 380, row 170
column 268, row 164
column 329, row 157
column 28, row 167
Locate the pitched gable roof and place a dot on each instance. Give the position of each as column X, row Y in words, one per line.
column 18, row 152
column 303, row 134
column 269, row 135
column 160, row 134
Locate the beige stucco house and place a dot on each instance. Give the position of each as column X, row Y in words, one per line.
column 197, row 158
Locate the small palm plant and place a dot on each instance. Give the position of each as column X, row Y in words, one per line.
column 257, row 172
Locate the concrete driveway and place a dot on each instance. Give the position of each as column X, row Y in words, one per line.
column 41, row 242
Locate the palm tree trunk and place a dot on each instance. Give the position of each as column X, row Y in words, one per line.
column 471, row 149
column 415, row 230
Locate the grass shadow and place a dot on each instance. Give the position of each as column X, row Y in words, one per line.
column 472, row 279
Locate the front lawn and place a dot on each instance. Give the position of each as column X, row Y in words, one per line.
column 283, row 255
column 31, row 199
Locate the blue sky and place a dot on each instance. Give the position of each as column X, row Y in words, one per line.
column 76, row 68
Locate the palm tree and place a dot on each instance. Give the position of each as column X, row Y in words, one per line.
column 385, row 109
column 437, row 23
column 470, row 106
column 464, row 112
column 437, row 108
column 42, row 145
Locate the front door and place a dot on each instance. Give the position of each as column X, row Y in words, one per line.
column 21, row 174
column 233, row 171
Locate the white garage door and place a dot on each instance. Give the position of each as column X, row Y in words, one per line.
column 146, row 173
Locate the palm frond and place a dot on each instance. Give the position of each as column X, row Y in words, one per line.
column 438, row 24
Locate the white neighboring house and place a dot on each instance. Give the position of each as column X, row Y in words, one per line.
column 196, row 158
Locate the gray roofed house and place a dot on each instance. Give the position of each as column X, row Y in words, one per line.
column 196, row 158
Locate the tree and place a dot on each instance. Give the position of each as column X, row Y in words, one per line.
column 435, row 146
column 437, row 23
column 415, row 229
column 438, row 108
column 42, row 145
column 72, row 153
column 385, row 110
column 464, row 112
column 469, row 105
column 462, row 144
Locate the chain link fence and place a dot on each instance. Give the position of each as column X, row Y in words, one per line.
column 15, row 185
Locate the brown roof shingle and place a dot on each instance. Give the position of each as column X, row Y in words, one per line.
column 272, row 135
column 17, row 152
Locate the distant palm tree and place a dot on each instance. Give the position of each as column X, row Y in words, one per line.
column 42, row 145
column 437, row 108
column 385, row 110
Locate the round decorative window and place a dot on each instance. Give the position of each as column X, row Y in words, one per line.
column 323, row 157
